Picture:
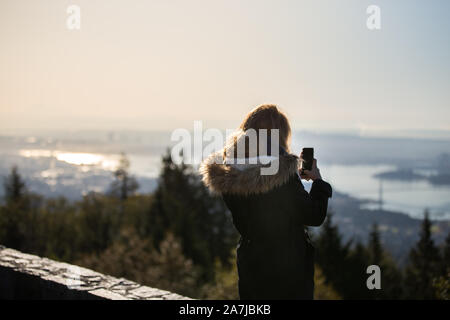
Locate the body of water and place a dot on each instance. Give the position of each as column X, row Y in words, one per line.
column 82, row 166
column 411, row 197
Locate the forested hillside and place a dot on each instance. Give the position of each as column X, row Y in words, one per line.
column 181, row 238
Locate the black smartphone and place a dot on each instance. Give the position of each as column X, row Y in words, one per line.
column 307, row 156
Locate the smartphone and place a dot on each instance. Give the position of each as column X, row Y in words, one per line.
column 307, row 156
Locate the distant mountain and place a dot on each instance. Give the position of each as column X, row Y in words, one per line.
column 400, row 174
column 353, row 149
column 440, row 179
column 399, row 232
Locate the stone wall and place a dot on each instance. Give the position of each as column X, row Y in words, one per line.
column 25, row 276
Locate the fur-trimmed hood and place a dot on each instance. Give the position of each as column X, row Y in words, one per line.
column 243, row 179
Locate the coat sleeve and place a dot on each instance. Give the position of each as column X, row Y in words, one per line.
column 312, row 206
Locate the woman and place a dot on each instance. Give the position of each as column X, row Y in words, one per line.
column 275, row 258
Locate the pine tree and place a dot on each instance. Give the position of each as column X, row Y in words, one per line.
column 442, row 283
column 424, row 260
column 391, row 277
column 13, row 216
column 344, row 265
column 446, row 254
column 375, row 248
column 323, row 291
column 183, row 206
column 124, row 184
column 355, row 274
column 134, row 258
column 331, row 256
column 14, row 186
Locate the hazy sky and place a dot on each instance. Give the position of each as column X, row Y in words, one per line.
column 162, row 64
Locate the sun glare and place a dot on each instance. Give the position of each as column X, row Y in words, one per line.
column 75, row 158
column 80, row 158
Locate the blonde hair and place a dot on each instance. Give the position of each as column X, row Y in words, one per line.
column 266, row 116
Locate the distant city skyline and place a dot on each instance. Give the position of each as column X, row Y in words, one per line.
column 161, row 65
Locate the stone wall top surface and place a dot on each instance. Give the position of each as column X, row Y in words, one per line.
column 76, row 278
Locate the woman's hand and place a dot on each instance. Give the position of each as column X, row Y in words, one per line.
column 312, row 174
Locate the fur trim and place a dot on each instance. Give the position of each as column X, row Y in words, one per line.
column 224, row 178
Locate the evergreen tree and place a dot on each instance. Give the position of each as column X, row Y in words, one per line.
column 345, row 265
column 134, row 258
column 375, row 248
column 331, row 256
column 446, row 255
column 13, row 216
column 98, row 222
column 424, row 260
column 14, row 186
column 323, row 291
column 391, row 277
column 355, row 275
column 183, row 206
column 124, row 184
column 442, row 283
